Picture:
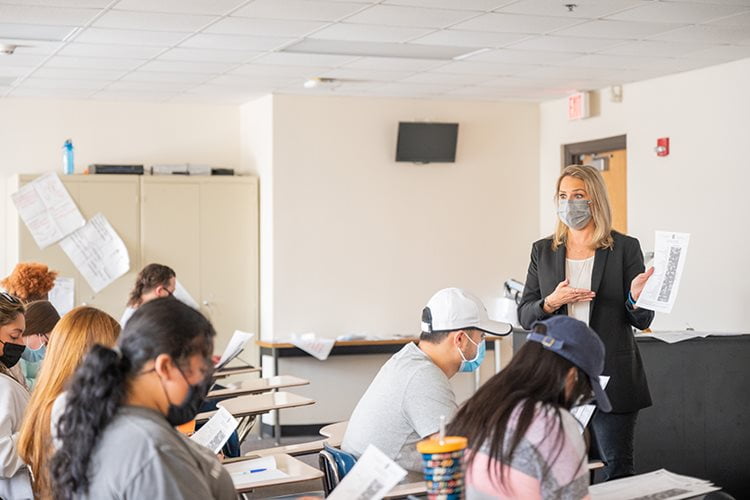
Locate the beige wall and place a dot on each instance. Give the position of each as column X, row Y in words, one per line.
column 360, row 242
column 32, row 132
column 700, row 188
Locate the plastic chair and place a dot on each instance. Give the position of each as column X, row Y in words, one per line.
column 334, row 464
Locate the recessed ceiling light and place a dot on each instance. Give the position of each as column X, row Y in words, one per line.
column 379, row 49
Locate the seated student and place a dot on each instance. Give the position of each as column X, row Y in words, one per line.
column 411, row 391
column 153, row 282
column 41, row 318
column 523, row 441
column 72, row 338
column 117, row 436
column 30, row 281
column 14, row 475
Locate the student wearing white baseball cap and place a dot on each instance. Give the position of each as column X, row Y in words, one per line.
column 412, row 391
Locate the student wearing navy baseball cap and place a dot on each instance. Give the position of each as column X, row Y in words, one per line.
column 523, row 440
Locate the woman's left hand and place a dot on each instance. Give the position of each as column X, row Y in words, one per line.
column 636, row 286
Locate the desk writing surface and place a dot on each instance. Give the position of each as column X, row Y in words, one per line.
column 296, row 471
column 341, row 343
column 258, row 385
column 235, row 370
column 256, row 404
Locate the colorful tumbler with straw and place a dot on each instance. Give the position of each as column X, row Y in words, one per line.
column 442, row 463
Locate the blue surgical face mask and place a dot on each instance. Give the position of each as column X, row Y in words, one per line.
column 34, row 355
column 470, row 365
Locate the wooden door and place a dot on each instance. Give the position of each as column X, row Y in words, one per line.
column 616, row 178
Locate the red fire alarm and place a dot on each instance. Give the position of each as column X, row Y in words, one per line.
column 662, row 146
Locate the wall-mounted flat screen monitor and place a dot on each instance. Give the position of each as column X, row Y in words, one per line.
column 420, row 142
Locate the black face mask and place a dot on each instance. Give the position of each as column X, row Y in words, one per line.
column 188, row 409
column 11, row 353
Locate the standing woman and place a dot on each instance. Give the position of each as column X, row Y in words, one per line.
column 14, row 475
column 594, row 274
column 72, row 338
column 117, row 435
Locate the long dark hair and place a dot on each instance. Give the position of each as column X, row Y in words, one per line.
column 534, row 375
column 149, row 278
column 99, row 386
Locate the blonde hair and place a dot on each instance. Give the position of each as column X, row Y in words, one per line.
column 601, row 210
column 70, row 340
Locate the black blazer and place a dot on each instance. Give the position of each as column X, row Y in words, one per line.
column 609, row 314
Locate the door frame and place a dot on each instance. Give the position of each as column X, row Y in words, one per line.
column 572, row 151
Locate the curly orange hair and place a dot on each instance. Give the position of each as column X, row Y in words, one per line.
column 30, row 281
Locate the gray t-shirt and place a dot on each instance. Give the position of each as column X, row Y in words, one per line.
column 140, row 456
column 402, row 405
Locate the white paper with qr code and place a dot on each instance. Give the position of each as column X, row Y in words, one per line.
column 371, row 478
column 657, row 485
column 216, row 431
column 660, row 292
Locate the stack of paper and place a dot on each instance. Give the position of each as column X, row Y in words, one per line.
column 235, row 346
column 249, row 472
column 660, row 484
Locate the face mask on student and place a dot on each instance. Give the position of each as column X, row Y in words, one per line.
column 470, row 365
column 34, row 355
column 574, row 213
column 11, row 353
column 188, row 409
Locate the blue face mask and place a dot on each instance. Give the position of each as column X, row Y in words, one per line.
column 470, row 365
column 34, row 355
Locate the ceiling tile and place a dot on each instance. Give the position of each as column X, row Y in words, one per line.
column 565, row 44
column 447, row 78
column 151, row 86
column 252, row 81
column 226, row 56
column 232, row 42
column 59, row 83
column 292, row 59
column 471, row 5
column 653, row 48
column 394, row 64
column 721, row 53
column 109, row 50
column 51, row 93
column 516, row 23
column 22, row 32
column 673, row 12
column 124, row 95
column 92, row 63
column 154, row 76
column 13, row 71
column 130, row 37
column 79, row 74
column 21, row 60
column 153, row 21
column 524, row 56
column 365, row 74
column 278, row 71
column 736, row 20
column 482, row 68
column 181, row 6
column 708, row 34
column 616, row 29
column 93, row 4
column 588, row 9
column 629, row 62
column 28, row 14
column 187, row 67
column 299, row 9
column 568, row 72
column 409, row 16
column 461, row 38
column 264, row 27
column 407, row 89
column 368, row 33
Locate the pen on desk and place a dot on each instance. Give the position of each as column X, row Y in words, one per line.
column 251, row 471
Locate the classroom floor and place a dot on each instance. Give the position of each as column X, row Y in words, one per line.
column 253, row 442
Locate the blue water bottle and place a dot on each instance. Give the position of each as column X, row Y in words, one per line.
column 68, row 167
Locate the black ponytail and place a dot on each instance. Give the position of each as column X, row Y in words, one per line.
column 99, row 386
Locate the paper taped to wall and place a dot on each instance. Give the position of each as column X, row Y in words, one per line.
column 62, row 295
column 97, row 252
column 47, row 209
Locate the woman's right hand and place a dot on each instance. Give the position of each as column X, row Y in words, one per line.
column 565, row 294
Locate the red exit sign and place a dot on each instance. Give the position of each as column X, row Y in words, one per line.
column 578, row 106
